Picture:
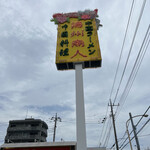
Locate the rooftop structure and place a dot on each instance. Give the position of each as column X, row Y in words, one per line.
column 28, row 130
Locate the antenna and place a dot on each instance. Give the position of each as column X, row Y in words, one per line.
column 26, row 113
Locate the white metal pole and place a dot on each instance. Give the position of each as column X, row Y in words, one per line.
column 80, row 111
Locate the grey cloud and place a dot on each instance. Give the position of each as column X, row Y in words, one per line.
column 49, row 109
column 23, row 58
column 28, row 74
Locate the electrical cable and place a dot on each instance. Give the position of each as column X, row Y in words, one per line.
column 144, row 135
column 135, row 126
column 141, row 12
column 137, row 133
column 135, row 68
column 103, row 127
column 142, row 116
column 145, row 129
column 134, row 74
column 105, row 131
column 143, row 126
column 122, row 49
column 89, row 122
column 137, row 26
column 128, row 53
column 121, row 138
column 129, row 18
column 109, row 135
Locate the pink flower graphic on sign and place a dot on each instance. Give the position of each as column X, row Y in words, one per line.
column 61, row 19
column 85, row 17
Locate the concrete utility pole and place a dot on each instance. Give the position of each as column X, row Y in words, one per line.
column 113, row 119
column 55, row 125
column 134, row 130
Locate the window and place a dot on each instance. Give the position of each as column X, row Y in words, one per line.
column 12, row 125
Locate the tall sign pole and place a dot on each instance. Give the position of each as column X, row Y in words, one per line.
column 78, row 48
column 80, row 110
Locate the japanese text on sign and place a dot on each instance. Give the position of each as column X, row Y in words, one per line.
column 77, row 41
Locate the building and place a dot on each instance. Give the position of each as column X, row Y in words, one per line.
column 28, row 130
column 40, row 146
column 70, row 145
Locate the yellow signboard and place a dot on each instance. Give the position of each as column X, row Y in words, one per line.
column 77, row 41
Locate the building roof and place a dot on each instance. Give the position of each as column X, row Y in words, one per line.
column 28, row 120
column 45, row 144
column 37, row 144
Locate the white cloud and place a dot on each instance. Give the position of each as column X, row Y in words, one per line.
column 29, row 79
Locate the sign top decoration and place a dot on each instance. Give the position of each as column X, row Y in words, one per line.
column 77, row 39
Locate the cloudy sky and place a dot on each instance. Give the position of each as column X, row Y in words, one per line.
column 31, row 86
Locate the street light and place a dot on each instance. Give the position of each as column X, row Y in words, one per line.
column 134, row 128
column 128, row 134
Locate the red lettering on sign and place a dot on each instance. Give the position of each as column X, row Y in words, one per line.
column 76, row 25
column 77, row 33
column 77, row 52
column 78, row 43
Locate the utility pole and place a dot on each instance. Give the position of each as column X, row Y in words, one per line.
column 134, row 130
column 113, row 120
column 55, row 125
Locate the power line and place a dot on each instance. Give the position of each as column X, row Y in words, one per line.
column 104, row 122
column 140, row 56
column 144, row 135
column 141, row 12
column 122, row 50
column 88, row 122
column 129, row 18
column 135, row 125
column 143, row 116
column 105, row 132
column 135, row 68
column 137, row 26
column 108, row 136
column 143, row 126
column 145, row 129
column 137, row 133
column 134, row 76
column 119, row 141
column 128, row 60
